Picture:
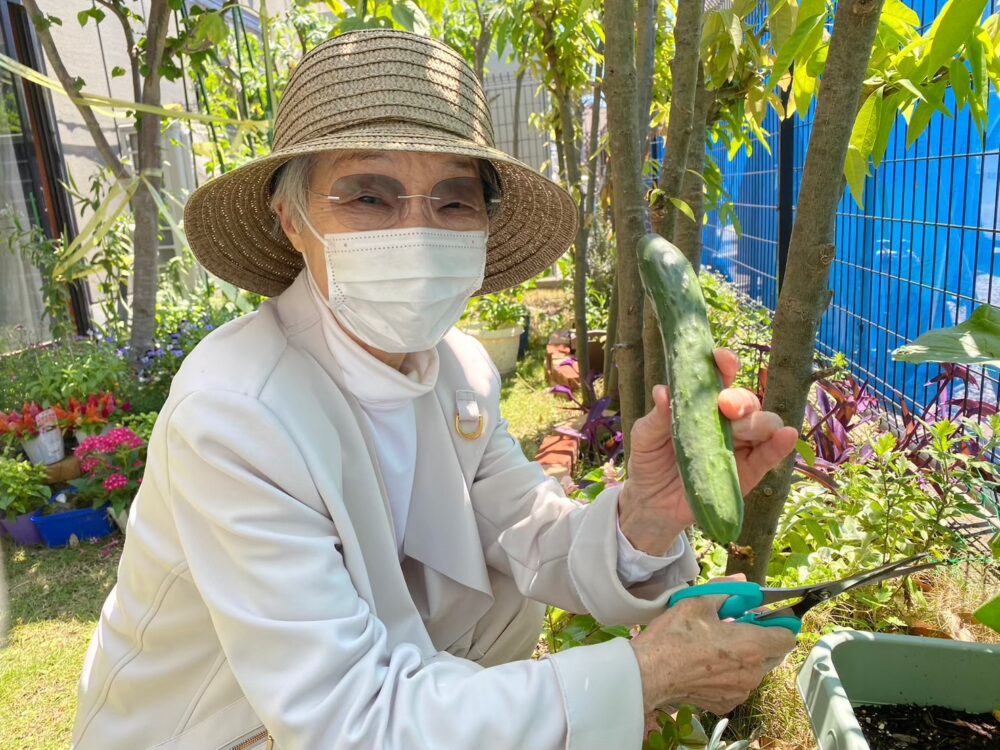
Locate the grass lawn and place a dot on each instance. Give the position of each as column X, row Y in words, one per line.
column 526, row 403
column 56, row 597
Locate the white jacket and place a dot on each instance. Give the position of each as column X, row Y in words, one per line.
column 261, row 602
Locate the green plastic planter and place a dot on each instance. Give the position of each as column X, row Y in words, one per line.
column 853, row 668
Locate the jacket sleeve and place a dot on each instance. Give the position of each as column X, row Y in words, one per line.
column 310, row 656
column 558, row 550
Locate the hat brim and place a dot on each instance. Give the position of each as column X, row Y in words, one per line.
column 234, row 234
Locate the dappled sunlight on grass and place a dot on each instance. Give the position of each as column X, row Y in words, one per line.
column 526, row 403
column 56, row 597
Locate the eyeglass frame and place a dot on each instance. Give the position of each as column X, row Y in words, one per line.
column 490, row 195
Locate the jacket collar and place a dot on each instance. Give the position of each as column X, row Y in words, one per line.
column 441, row 531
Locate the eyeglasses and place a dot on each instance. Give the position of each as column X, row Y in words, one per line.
column 365, row 202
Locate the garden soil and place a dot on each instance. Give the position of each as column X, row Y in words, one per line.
column 926, row 727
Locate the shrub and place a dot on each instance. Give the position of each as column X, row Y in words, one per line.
column 75, row 368
column 22, row 487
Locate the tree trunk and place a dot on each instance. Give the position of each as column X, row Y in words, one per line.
column 684, row 74
column 483, row 41
column 645, row 58
column 561, row 154
column 688, row 234
column 571, row 155
column 804, row 295
column 145, row 272
column 518, row 81
column 610, row 341
column 592, row 143
column 630, row 210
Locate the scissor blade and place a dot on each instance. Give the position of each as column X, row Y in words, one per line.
column 816, row 594
column 894, row 573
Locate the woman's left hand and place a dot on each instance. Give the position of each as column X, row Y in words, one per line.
column 653, row 508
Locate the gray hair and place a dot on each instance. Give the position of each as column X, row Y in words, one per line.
column 291, row 187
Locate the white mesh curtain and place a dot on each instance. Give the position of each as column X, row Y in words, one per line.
column 21, row 306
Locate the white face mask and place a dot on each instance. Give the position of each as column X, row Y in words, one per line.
column 401, row 290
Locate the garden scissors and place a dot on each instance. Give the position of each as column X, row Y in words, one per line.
column 746, row 599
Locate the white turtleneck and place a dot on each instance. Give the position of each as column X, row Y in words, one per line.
column 387, row 396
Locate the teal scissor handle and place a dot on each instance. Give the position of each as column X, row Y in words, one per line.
column 743, row 596
column 762, row 619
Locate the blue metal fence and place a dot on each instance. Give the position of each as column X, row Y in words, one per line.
column 923, row 253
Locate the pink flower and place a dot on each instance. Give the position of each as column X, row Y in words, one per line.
column 88, row 464
column 115, row 482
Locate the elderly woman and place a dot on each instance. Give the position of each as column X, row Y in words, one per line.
column 338, row 544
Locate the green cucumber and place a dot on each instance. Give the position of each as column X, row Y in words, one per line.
column 703, row 438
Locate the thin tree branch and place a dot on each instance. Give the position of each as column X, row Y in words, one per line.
column 90, row 120
column 133, row 49
column 684, row 74
column 631, row 218
column 157, row 26
column 645, row 57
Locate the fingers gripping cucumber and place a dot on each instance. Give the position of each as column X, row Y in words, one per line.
column 703, row 439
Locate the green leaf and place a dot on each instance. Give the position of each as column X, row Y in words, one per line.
column 780, row 22
column 974, row 342
column 211, row 27
column 900, row 17
column 809, row 8
column 907, row 84
column 886, row 124
column 683, row 207
column 989, row 614
column 856, row 171
column 96, row 13
column 919, row 121
column 796, row 46
column 656, row 742
column 975, row 50
column 866, row 125
column 117, row 72
column 734, row 27
column 957, row 21
column 961, row 83
column 803, row 89
column 806, row 451
column 403, row 16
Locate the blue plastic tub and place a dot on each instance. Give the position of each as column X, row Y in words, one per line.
column 89, row 523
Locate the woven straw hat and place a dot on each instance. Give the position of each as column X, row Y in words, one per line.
column 376, row 90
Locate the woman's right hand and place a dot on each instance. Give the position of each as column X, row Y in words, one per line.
column 688, row 655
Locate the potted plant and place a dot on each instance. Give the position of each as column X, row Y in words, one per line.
column 37, row 431
column 68, row 516
column 111, row 465
column 850, row 671
column 22, row 492
column 90, row 417
column 497, row 321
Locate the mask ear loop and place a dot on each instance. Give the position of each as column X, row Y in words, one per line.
column 331, row 281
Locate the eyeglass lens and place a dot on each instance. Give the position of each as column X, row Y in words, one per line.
column 371, row 201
